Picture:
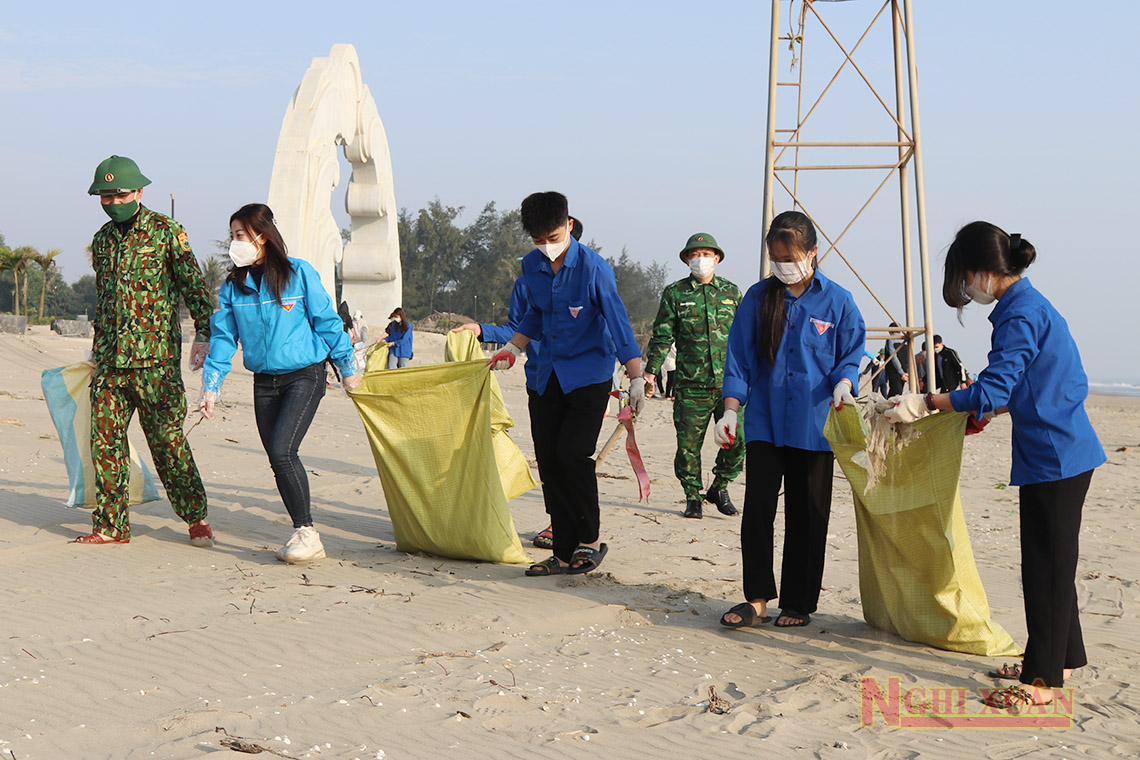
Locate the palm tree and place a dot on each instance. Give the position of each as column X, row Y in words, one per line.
column 45, row 260
column 8, row 261
column 214, row 274
column 19, row 263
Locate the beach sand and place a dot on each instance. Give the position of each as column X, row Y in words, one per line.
column 143, row 650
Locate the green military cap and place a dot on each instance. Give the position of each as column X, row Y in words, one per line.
column 116, row 174
column 701, row 240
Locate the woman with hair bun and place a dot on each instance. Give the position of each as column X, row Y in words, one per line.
column 1035, row 374
column 288, row 327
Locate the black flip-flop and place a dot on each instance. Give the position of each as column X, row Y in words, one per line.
column 804, row 619
column 590, row 559
column 747, row 614
column 545, row 539
column 549, row 566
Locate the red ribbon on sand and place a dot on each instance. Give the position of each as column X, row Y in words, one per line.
column 625, row 417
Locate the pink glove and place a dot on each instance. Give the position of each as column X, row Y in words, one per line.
column 505, row 359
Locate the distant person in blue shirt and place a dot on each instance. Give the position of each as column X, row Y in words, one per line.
column 1034, row 373
column 794, row 349
column 574, row 309
column 279, row 311
column 489, row 333
column 399, row 339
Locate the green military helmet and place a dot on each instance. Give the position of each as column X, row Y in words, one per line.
column 115, row 175
column 701, row 240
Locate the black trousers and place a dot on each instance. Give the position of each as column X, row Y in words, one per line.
column 806, row 477
column 1050, row 527
column 565, row 429
column 284, row 407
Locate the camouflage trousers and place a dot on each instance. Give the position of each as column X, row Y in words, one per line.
column 692, row 410
column 160, row 398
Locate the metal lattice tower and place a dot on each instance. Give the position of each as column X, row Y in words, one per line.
column 787, row 154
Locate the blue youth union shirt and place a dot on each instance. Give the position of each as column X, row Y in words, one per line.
column 578, row 316
column 787, row 403
column 1034, row 369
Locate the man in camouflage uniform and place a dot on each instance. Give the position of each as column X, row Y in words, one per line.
column 696, row 314
column 142, row 263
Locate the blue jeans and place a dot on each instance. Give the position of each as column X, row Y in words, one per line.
column 284, row 406
column 396, row 361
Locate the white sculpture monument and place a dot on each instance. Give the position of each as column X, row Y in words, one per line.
column 332, row 107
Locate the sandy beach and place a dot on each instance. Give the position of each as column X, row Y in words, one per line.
column 144, row 650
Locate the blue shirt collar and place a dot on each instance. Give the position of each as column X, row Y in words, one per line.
column 819, row 283
column 1009, row 297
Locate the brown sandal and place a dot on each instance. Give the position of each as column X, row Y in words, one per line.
column 1012, row 698
column 1009, row 672
column 98, row 539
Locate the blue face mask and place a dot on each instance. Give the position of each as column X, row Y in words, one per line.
column 121, row 212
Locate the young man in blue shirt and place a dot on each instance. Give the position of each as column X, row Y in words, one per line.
column 489, row 333
column 574, row 308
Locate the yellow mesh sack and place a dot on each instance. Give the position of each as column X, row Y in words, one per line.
column 514, row 471
column 432, row 430
column 917, row 576
column 377, row 358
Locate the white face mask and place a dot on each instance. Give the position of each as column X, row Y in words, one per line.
column 980, row 296
column 791, row 272
column 702, row 266
column 242, row 252
column 554, row 250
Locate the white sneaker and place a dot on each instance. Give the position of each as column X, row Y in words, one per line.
column 304, row 545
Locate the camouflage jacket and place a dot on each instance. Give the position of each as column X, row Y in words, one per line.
column 697, row 318
column 139, row 274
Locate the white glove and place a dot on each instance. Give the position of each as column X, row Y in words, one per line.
column 207, row 402
column 505, row 359
column 725, row 431
column 842, row 394
column 352, row 382
column 908, row 407
column 199, row 350
column 636, row 394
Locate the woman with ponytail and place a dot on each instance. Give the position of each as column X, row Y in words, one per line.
column 794, row 349
column 1034, row 373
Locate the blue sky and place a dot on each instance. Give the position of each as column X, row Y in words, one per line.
column 650, row 116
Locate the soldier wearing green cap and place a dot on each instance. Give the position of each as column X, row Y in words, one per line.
column 696, row 314
column 143, row 264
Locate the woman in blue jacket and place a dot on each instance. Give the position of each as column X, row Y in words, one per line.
column 794, row 348
column 279, row 311
column 399, row 340
column 1034, row 373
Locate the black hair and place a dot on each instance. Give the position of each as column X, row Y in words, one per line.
column 795, row 231
column 257, row 218
column 575, row 228
column 937, row 338
column 982, row 247
column 402, row 326
column 542, row 213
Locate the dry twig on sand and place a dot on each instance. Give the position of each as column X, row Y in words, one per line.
column 717, row 705
column 428, row 655
column 241, row 744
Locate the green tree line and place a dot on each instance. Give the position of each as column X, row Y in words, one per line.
column 471, row 269
column 447, row 267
